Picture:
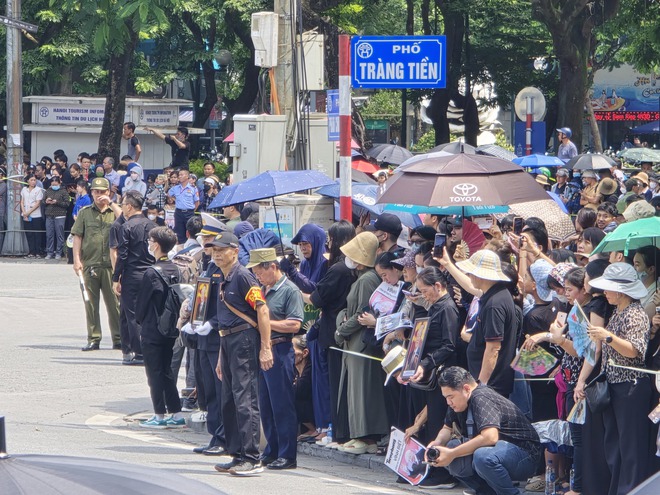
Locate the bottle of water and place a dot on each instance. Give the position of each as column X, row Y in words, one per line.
column 572, row 479
column 328, row 434
column 519, row 150
column 550, row 479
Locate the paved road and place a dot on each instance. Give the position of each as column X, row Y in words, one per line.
column 59, row 400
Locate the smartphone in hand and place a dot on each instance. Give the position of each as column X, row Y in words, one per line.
column 440, row 241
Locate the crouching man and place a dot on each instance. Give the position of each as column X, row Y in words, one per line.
column 498, row 444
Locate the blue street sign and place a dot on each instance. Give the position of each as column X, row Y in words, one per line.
column 398, row 62
column 332, row 109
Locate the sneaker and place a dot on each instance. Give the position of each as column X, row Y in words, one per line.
column 535, row 484
column 58, row 256
column 49, row 257
column 224, row 467
column 188, row 405
column 198, row 417
column 154, row 422
column 360, row 447
column 342, row 447
column 440, row 484
column 332, row 446
column 127, row 358
column 175, row 423
column 246, row 468
column 469, row 491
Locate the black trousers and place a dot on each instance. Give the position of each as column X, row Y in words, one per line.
column 212, row 395
column 240, row 393
column 130, row 287
column 627, row 429
column 180, row 219
column 338, row 400
column 34, row 235
column 162, row 385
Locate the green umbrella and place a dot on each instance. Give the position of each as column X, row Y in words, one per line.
column 641, row 155
column 633, row 235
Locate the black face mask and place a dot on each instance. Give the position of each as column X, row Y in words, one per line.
column 207, row 187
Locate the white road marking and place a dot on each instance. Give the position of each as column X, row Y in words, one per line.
column 101, row 422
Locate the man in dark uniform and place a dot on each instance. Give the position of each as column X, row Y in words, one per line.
column 91, row 257
column 244, row 325
column 133, row 259
column 209, row 384
column 277, row 401
column 388, row 229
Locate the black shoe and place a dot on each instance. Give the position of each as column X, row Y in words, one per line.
column 136, row 361
column 265, row 461
column 202, row 448
column 283, row 463
column 246, row 468
column 116, row 347
column 215, row 450
column 224, row 467
column 126, row 358
column 92, row 346
column 444, row 482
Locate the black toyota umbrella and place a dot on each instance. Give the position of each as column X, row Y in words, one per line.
column 389, row 153
column 63, row 475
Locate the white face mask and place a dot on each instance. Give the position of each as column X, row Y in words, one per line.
column 419, row 269
column 653, row 185
column 152, row 253
column 152, row 217
column 352, row 265
column 562, row 299
column 642, row 276
column 134, row 176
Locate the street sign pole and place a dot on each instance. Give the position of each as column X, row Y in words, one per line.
column 15, row 243
column 345, row 193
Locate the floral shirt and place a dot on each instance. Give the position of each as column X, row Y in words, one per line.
column 631, row 324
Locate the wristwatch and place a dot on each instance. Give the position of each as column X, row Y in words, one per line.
column 609, row 339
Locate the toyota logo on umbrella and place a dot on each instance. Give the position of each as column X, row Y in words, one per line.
column 465, row 189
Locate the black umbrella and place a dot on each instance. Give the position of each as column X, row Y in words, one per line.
column 63, row 475
column 496, row 151
column 590, row 161
column 455, row 148
column 389, row 153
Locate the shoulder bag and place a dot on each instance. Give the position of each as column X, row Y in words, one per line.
column 598, row 394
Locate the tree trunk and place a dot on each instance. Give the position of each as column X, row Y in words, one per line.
column 572, row 87
column 115, row 101
column 593, row 124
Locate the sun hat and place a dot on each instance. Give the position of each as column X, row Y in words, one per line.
column 589, row 174
column 620, row 277
column 542, row 179
column 540, row 270
column 223, row 240
column 642, row 177
column 377, row 173
column 607, row 186
column 562, row 171
column 362, row 249
column 407, row 260
column 637, row 210
column 261, row 255
column 393, row 362
column 484, row 264
column 212, row 179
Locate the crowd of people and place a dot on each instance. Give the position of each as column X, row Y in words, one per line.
column 287, row 343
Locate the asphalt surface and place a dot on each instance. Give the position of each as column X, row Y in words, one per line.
column 61, row 401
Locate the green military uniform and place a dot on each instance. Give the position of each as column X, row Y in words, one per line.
column 93, row 226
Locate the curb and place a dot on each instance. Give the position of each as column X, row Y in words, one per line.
column 368, row 461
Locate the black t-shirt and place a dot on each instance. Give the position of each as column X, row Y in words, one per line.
column 180, row 156
column 491, row 410
column 496, row 322
column 243, row 292
column 599, row 306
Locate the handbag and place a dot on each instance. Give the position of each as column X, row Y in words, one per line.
column 430, row 383
column 597, row 392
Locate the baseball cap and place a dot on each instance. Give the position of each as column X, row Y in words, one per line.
column 389, row 223
column 562, row 171
column 224, row 240
column 100, row 184
column 638, row 210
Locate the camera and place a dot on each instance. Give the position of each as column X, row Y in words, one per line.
column 432, row 454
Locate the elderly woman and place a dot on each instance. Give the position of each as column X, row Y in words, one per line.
column 361, row 379
column 624, row 343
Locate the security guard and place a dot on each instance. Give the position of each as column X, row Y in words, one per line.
column 187, row 201
column 91, row 257
column 277, row 401
column 244, row 326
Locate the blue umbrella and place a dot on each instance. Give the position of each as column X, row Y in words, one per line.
column 270, row 184
column 536, row 161
column 365, row 196
column 558, row 200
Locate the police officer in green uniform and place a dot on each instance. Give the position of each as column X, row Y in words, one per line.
column 91, row 257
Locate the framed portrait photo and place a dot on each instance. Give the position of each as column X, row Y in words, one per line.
column 415, row 348
column 201, row 302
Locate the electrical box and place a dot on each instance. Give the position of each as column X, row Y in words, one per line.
column 264, row 33
column 324, row 154
column 311, row 61
column 259, row 145
column 294, row 211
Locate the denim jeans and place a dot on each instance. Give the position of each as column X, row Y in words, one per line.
column 55, row 235
column 496, row 467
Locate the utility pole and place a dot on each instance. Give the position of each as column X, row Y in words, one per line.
column 284, row 74
column 15, row 243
